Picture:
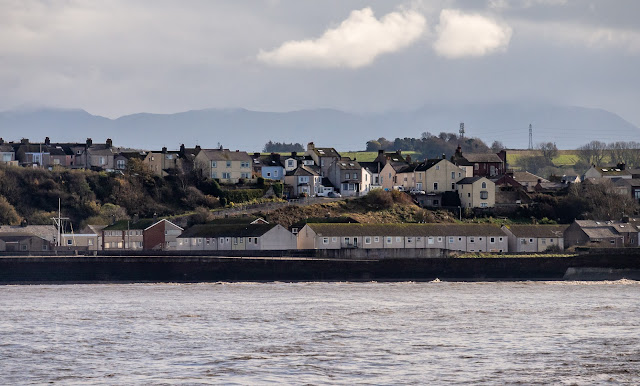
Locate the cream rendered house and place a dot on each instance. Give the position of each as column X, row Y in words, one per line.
column 477, row 192
column 437, row 176
column 224, row 165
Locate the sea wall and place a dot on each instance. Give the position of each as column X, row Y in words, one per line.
column 96, row 269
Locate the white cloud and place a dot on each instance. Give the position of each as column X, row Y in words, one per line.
column 461, row 35
column 355, row 43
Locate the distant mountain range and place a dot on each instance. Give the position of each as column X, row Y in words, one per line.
column 567, row 126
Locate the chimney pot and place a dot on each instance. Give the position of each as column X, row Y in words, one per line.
column 47, row 141
column 164, row 149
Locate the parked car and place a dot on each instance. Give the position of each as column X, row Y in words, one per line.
column 416, row 191
column 399, row 188
column 334, row 195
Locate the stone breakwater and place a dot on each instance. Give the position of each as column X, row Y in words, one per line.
column 114, row 269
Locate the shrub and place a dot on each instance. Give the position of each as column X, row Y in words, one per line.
column 243, row 195
column 380, row 199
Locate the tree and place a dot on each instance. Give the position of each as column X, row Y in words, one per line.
column 282, row 147
column 592, row 153
column 373, row 145
column 496, row 146
column 8, row 214
column 548, row 150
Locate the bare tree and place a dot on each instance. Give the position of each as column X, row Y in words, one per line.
column 496, row 146
column 548, row 150
column 625, row 152
column 592, row 153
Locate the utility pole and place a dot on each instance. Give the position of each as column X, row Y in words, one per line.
column 461, row 130
column 530, row 137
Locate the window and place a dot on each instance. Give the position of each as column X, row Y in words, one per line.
column 500, row 239
column 453, row 186
column 439, row 239
column 275, row 173
column 346, row 240
column 23, row 247
column 101, row 160
column 430, row 240
column 325, row 240
column 214, row 164
column 484, row 185
column 355, row 176
column 472, row 240
column 268, row 174
column 168, row 156
column 389, row 240
column 376, row 239
column 409, row 239
column 70, row 242
column 90, row 242
column 450, row 240
column 418, row 239
column 435, row 186
column 437, row 167
column 484, row 194
column 398, row 239
column 530, row 240
column 523, row 241
column 476, row 166
column 468, row 194
column 119, row 164
column 346, row 176
column 214, row 175
column 613, row 241
column 459, row 174
column 367, row 240
column 484, row 205
column 544, row 241
column 459, row 238
column 228, row 164
column 244, row 164
column 289, row 163
column 492, row 240
column 226, row 175
column 453, row 175
column 244, row 175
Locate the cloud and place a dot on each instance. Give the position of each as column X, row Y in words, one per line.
column 355, row 43
column 461, row 35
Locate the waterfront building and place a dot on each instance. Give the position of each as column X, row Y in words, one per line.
column 535, row 238
column 236, row 237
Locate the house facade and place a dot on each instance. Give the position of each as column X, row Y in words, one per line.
column 304, row 179
column 592, row 233
column 348, row 176
column 143, row 234
column 451, row 237
column 597, row 173
column 535, row 238
column 224, row 165
column 322, row 156
column 240, row 237
column 477, row 192
column 163, row 161
column 437, row 176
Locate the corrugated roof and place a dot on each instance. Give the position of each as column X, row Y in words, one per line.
column 407, row 230
column 537, row 230
column 237, row 230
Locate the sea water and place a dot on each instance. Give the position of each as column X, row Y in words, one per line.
column 321, row 333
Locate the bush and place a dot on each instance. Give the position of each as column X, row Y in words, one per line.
column 380, row 199
column 223, row 201
column 243, row 195
column 260, row 182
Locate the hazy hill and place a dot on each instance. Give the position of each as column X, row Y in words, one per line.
column 568, row 126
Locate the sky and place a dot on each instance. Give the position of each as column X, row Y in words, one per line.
column 120, row 57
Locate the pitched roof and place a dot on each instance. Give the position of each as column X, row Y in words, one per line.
column 613, row 171
column 348, row 164
column 428, row 164
column 17, row 236
column 326, row 152
column 373, row 167
column 537, row 230
column 47, row 232
column 527, row 177
column 469, row 180
column 143, row 224
column 491, row 157
column 406, row 230
column 600, row 233
column 303, row 170
column 237, row 230
column 226, row 155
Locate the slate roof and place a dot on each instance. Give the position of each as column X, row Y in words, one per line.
column 237, row 230
column 47, row 232
column 469, row 180
column 373, row 167
column 226, row 155
column 303, row 170
column 537, row 230
column 625, row 228
column 6, row 149
column 528, row 177
column 492, row 158
column 613, row 171
column 143, row 224
column 326, row 152
column 132, row 154
column 15, row 236
column 348, row 164
column 600, row 233
column 406, row 230
column 428, row 164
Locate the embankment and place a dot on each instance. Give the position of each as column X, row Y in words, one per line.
column 114, row 269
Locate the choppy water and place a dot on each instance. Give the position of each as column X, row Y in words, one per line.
column 320, row 333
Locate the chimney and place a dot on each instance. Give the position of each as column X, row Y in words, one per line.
column 182, row 149
column 621, row 166
column 399, row 152
column 197, row 149
column 1, row 141
column 275, row 157
column 164, row 149
column 89, row 142
column 24, row 141
column 444, row 156
column 293, row 153
column 109, row 142
column 237, row 151
column 256, row 155
column 380, row 151
column 310, row 146
column 408, row 158
column 47, row 141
